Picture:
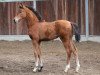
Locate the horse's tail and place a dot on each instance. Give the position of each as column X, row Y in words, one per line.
column 76, row 31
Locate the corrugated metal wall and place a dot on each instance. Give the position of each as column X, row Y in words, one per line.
column 72, row 10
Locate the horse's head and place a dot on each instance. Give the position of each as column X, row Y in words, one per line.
column 28, row 13
column 21, row 13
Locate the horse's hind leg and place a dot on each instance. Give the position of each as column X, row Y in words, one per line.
column 67, row 46
column 37, row 54
column 75, row 52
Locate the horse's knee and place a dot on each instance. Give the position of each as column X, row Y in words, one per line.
column 69, row 51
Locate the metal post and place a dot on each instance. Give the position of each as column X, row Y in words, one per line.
column 34, row 4
column 86, row 19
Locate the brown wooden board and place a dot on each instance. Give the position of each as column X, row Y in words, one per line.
column 50, row 10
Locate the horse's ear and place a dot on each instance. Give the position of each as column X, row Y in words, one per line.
column 20, row 5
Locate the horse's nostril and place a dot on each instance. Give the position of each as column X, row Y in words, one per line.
column 14, row 21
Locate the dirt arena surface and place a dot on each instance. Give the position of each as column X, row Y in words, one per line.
column 16, row 58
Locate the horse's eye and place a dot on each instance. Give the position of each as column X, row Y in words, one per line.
column 19, row 11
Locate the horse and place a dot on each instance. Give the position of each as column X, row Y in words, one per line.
column 39, row 30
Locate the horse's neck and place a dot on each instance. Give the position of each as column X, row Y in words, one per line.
column 31, row 20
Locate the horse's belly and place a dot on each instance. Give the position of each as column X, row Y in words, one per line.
column 48, row 38
column 48, row 35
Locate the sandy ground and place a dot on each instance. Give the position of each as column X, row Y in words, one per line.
column 16, row 58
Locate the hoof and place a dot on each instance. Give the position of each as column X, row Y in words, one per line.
column 66, row 71
column 77, row 68
column 67, row 68
column 35, row 69
column 40, row 69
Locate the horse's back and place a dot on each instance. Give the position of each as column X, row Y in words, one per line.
column 62, row 23
column 60, row 27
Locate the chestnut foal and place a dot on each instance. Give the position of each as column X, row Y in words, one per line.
column 44, row 31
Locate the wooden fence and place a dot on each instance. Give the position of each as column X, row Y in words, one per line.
column 72, row 10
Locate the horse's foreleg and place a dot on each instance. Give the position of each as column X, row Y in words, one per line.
column 37, row 54
column 75, row 52
column 68, row 50
column 40, row 60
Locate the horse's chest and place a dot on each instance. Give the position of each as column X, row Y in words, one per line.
column 33, row 33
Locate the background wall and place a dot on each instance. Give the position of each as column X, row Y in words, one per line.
column 72, row 10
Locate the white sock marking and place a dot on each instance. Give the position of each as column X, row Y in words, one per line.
column 36, row 65
column 77, row 65
column 67, row 67
column 41, row 63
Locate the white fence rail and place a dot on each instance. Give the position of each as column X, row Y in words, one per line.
column 26, row 37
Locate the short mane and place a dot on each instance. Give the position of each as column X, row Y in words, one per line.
column 36, row 13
